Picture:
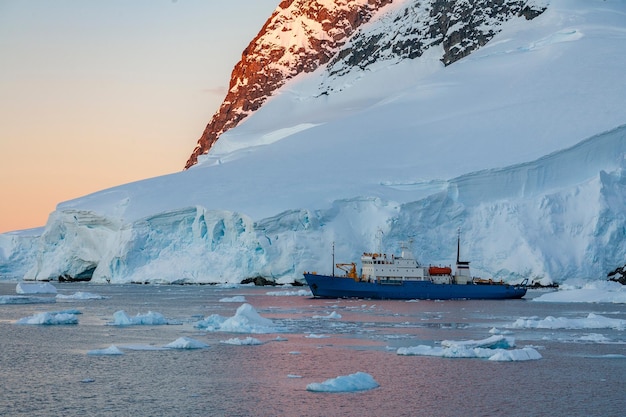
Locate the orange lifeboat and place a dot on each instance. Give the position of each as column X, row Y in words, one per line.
column 440, row 270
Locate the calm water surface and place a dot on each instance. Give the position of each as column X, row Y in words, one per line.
column 46, row 370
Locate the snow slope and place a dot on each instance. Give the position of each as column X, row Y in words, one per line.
column 521, row 144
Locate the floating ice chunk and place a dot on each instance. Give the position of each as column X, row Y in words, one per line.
column 87, row 380
column 235, row 299
column 111, row 350
column 303, row 293
column 68, row 311
column 80, row 296
column 492, row 342
column 359, row 381
column 595, row 338
column 333, row 315
column 211, row 323
column 524, row 354
column 316, row 336
column 186, row 343
column 494, row 348
column 25, row 299
column 247, row 320
column 120, row 318
column 494, row 330
column 35, row 288
column 49, row 319
column 248, row 341
column 592, row 321
column 573, row 291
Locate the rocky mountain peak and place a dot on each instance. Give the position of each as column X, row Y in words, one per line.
column 302, row 35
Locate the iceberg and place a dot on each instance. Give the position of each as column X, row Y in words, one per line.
column 111, row 350
column 586, row 292
column 245, row 320
column 186, row 343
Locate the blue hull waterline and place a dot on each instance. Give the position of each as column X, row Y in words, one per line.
column 326, row 286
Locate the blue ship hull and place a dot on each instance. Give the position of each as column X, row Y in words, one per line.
column 326, row 286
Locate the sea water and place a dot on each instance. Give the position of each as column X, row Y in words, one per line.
column 46, row 369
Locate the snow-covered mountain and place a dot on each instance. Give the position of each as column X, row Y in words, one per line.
column 508, row 121
column 302, row 35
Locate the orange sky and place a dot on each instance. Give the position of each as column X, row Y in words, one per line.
column 96, row 94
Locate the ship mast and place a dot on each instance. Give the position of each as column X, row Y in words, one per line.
column 458, row 244
column 333, row 258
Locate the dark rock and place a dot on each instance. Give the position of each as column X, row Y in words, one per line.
column 259, row 281
column 618, row 275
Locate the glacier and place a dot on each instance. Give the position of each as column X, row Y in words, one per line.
column 521, row 145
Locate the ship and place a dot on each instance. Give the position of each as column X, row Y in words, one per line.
column 401, row 277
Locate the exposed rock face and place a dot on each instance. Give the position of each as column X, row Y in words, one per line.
column 302, row 35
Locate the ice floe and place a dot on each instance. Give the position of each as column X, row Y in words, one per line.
column 592, row 321
column 359, row 381
column 579, row 291
column 50, row 318
column 248, row 341
column 303, row 293
column 111, row 350
column 186, row 343
column 120, row 318
column 25, row 299
column 494, row 348
column 333, row 315
column 35, row 288
column 80, row 295
column 235, row 299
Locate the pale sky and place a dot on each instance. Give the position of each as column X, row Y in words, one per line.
column 95, row 94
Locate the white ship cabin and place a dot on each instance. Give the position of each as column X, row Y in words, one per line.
column 390, row 268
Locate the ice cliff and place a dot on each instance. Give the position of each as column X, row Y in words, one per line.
column 520, row 142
